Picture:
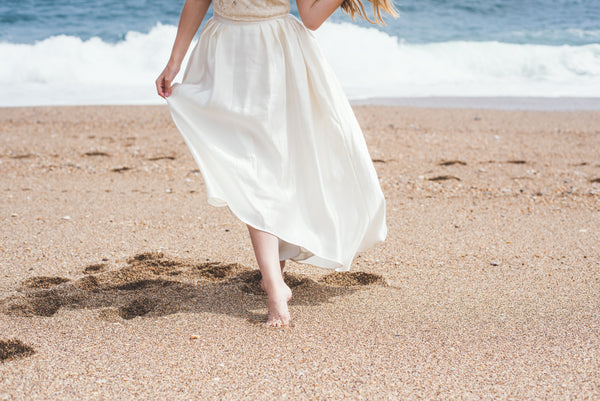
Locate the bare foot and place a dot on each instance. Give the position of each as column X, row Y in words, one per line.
column 278, row 297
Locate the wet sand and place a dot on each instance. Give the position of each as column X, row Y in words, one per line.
column 126, row 284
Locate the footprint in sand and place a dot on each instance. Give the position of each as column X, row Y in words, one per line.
column 452, row 163
column 14, row 348
column 120, row 169
column 44, row 281
column 94, row 268
column 351, row 279
column 444, row 178
column 162, row 158
column 137, row 307
column 507, row 161
column 23, row 156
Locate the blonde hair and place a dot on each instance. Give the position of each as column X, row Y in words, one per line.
column 353, row 7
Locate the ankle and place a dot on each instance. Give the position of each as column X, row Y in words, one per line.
column 276, row 282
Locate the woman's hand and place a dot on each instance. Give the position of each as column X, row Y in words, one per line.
column 165, row 80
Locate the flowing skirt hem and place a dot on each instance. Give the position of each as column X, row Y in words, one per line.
column 302, row 255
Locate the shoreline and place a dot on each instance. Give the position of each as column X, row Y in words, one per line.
column 505, row 103
column 487, row 103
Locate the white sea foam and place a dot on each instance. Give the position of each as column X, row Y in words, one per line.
column 66, row 70
column 368, row 62
column 371, row 63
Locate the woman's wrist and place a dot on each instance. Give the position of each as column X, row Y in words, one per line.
column 174, row 63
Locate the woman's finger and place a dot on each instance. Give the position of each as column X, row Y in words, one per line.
column 167, row 87
column 159, row 86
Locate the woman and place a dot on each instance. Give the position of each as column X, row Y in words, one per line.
column 274, row 135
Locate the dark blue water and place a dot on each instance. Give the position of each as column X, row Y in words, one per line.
column 551, row 22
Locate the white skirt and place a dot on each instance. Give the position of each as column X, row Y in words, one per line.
column 276, row 140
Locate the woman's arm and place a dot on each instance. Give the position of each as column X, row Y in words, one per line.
column 314, row 12
column 191, row 17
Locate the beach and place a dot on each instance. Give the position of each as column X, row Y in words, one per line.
column 128, row 285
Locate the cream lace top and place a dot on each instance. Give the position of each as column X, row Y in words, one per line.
column 250, row 10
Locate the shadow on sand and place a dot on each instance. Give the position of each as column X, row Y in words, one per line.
column 152, row 284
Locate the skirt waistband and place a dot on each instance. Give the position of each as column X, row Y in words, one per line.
column 227, row 20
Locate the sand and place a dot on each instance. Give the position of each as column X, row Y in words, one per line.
column 126, row 284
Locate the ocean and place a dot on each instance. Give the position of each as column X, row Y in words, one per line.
column 58, row 52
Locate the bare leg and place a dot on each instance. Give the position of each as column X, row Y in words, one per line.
column 266, row 249
column 282, row 265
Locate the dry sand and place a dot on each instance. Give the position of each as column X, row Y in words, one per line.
column 128, row 285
